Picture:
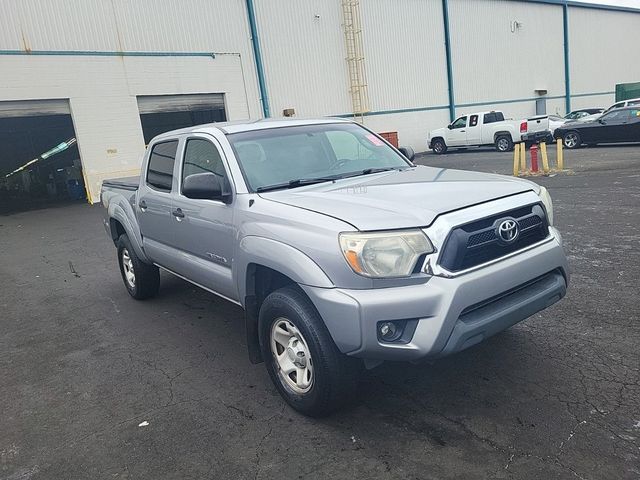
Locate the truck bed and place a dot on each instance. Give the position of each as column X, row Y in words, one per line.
column 124, row 183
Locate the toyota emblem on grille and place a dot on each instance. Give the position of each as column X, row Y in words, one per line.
column 508, row 230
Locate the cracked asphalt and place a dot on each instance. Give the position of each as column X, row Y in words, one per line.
column 83, row 366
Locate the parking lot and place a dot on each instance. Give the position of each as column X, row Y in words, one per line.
column 83, row 366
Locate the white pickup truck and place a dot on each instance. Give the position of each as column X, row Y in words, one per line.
column 487, row 128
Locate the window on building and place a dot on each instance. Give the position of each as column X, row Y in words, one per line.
column 161, row 162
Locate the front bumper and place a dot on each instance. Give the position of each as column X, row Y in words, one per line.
column 452, row 313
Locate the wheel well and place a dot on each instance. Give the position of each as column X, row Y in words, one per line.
column 501, row 134
column 438, row 138
column 261, row 281
column 116, row 229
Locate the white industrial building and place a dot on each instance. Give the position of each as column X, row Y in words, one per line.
column 112, row 73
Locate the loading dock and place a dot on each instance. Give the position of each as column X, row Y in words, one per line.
column 162, row 113
column 39, row 158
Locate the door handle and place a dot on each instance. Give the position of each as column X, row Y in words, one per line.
column 462, row 131
column 178, row 214
column 142, row 205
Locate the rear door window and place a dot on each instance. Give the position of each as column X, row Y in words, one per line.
column 473, row 120
column 161, row 162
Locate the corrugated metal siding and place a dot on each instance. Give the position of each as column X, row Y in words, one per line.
column 491, row 63
column 304, row 56
column 116, row 25
column 604, row 49
column 404, row 53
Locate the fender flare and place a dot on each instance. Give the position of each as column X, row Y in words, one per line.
column 124, row 217
column 280, row 257
column 500, row 133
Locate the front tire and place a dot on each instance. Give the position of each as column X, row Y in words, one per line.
column 438, row 146
column 305, row 365
column 571, row 139
column 141, row 279
column 504, row 143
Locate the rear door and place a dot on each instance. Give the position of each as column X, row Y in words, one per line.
column 457, row 135
column 155, row 202
column 204, row 230
column 474, row 131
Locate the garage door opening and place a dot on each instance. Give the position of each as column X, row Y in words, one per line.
column 162, row 113
column 39, row 159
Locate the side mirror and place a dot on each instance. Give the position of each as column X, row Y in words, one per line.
column 601, row 121
column 407, row 152
column 450, row 126
column 205, row 186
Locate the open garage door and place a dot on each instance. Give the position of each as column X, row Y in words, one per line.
column 162, row 113
column 39, row 158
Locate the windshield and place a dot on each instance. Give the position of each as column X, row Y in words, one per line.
column 280, row 156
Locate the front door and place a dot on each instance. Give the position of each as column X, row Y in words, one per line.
column 610, row 127
column 154, row 203
column 204, row 230
column 457, row 135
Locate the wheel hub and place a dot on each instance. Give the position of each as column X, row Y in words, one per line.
column 297, row 353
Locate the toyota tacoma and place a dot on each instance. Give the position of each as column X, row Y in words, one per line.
column 340, row 250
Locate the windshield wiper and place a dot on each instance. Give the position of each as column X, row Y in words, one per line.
column 299, row 182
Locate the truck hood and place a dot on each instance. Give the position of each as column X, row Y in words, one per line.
column 438, row 132
column 400, row 199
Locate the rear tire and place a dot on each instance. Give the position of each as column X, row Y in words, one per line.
column 305, row 365
column 438, row 146
column 504, row 143
column 140, row 279
column 571, row 140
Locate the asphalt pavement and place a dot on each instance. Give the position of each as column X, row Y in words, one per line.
column 94, row 384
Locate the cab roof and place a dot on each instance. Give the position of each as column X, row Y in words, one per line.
column 250, row 125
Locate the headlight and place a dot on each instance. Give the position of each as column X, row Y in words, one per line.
column 548, row 204
column 384, row 254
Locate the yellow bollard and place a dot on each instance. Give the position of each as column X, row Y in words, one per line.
column 516, row 159
column 560, row 155
column 523, row 157
column 545, row 159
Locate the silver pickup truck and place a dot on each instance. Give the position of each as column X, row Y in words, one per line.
column 341, row 251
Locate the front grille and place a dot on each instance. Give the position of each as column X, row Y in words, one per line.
column 479, row 241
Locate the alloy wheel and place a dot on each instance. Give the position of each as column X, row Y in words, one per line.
column 127, row 265
column 292, row 356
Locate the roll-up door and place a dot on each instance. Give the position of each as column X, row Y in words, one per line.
column 162, row 113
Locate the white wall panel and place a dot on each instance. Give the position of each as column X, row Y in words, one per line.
column 404, row 53
column 604, row 49
column 491, row 63
column 593, row 101
column 304, row 56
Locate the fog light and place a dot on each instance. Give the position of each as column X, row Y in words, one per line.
column 390, row 331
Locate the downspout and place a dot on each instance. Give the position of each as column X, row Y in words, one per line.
column 567, row 79
column 255, row 42
column 447, row 46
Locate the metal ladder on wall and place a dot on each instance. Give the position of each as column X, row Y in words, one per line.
column 355, row 58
